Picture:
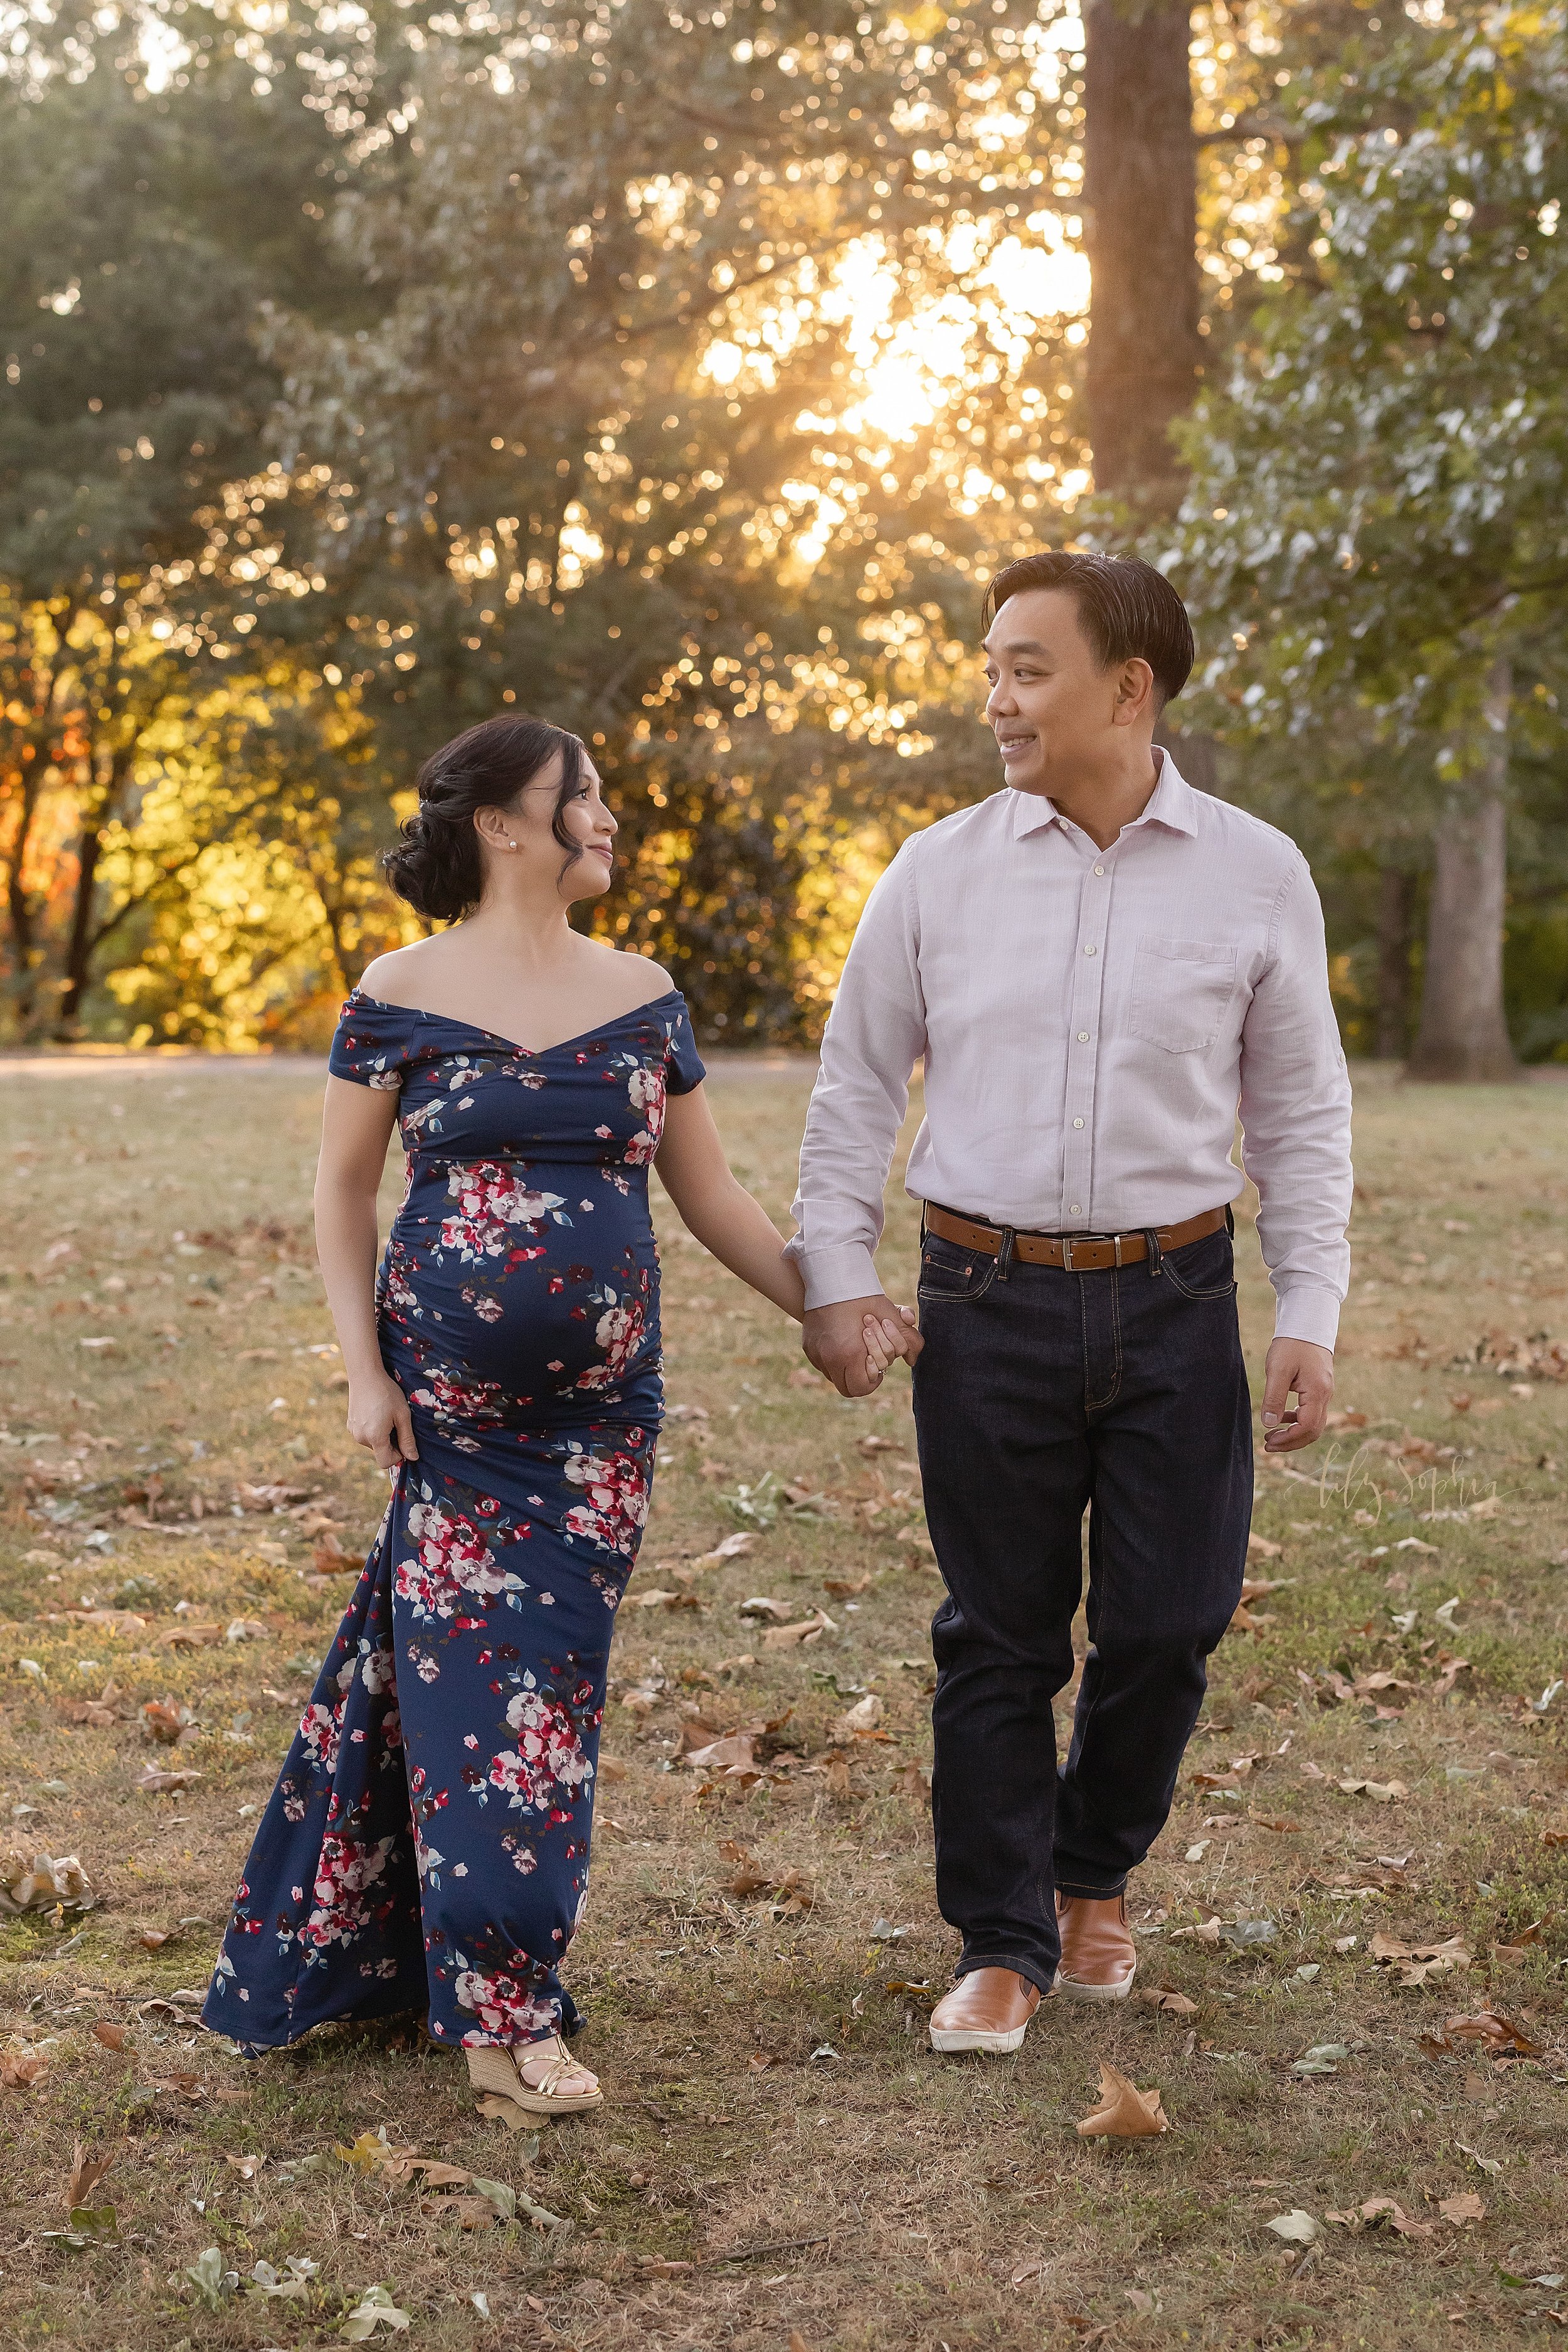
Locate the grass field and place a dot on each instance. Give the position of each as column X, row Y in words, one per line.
column 779, row 2151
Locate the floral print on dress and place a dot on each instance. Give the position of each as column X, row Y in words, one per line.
column 427, row 1842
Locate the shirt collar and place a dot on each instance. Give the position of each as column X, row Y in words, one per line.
column 1172, row 804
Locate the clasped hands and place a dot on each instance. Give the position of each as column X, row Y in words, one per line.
column 855, row 1341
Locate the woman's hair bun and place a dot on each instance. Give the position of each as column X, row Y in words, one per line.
column 436, row 864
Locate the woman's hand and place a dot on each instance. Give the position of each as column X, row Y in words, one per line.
column 886, row 1341
column 378, row 1418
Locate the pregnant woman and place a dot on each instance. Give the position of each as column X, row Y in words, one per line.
column 427, row 1842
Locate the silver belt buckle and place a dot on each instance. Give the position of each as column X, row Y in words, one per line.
column 1067, row 1241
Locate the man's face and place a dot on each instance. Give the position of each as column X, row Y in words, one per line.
column 1051, row 705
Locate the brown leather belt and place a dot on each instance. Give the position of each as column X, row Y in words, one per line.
column 1078, row 1253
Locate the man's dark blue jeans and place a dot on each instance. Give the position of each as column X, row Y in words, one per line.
column 1040, row 1392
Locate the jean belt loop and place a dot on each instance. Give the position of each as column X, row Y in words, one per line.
column 1004, row 1255
column 1153, row 1240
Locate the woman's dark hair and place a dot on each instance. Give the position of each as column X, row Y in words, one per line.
column 438, row 864
column 1127, row 609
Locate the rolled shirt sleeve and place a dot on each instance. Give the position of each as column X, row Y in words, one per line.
column 874, row 1036
column 1296, row 1120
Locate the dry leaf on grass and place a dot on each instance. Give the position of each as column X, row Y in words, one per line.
column 186, row 1636
column 810, row 1628
column 114, row 2037
column 1297, row 2228
column 1488, row 2027
column 913, row 1781
column 155, row 1784
column 372, row 2149
column 736, row 1752
column 1165, row 1999
column 86, row 2172
column 1209, row 1933
column 164, row 1721
column 1028, row 2273
column 247, row 2166
column 152, row 1939
column 1375, row 2211
column 1419, row 1962
column 1465, row 2207
column 734, row 1546
column 44, row 1883
column 857, row 1720
column 1382, row 1792
column 1276, row 1821
column 1125, row 2112
column 21, row 2070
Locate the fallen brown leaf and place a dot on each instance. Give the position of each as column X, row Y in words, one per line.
column 1125, row 2112
column 1465, row 2207
column 810, row 1628
column 155, row 1784
column 21, row 2070
column 247, row 2166
column 86, row 2172
column 1419, row 1962
column 1165, row 1999
column 47, row 1882
column 1276, row 1821
column 1488, row 2027
column 186, row 1636
column 863, row 1717
column 736, row 1752
column 1209, row 1933
column 163, row 1720
column 114, row 2037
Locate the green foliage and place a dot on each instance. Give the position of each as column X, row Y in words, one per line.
column 1377, row 511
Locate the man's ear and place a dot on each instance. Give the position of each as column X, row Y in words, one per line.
column 1135, row 692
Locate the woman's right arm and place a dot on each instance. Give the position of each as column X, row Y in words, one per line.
column 356, row 1127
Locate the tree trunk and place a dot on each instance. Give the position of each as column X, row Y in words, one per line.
column 1140, row 220
column 1392, row 1034
column 1463, row 1035
column 80, row 945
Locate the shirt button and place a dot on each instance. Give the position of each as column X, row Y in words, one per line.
column 1083, row 1036
column 1099, row 869
column 1089, row 951
column 1078, row 1122
column 1074, row 1208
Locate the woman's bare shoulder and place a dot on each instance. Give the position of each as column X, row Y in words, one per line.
column 639, row 975
column 389, row 977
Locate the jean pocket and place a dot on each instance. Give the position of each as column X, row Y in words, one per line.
column 1180, row 991
column 1208, row 1269
column 950, row 1273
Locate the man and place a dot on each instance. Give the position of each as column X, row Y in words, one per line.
column 1098, row 965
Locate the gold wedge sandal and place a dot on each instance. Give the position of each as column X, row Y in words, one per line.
column 530, row 2074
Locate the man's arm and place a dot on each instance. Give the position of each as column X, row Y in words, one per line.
column 875, row 1034
column 1295, row 1120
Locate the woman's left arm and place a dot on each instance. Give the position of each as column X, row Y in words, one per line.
column 717, row 1209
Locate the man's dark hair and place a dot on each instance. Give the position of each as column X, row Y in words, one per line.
column 1127, row 609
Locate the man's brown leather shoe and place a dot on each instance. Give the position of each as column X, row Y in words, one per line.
column 1098, row 1956
column 989, row 2009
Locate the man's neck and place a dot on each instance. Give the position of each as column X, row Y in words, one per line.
column 1101, row 804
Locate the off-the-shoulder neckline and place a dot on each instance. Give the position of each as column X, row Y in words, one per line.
column 532, row 1053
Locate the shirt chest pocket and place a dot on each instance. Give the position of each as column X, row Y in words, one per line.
column 1180, row 991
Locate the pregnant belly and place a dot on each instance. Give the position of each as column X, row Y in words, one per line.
column 488, row 1338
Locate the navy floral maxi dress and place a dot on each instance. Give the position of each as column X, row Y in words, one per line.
column 427, row 1842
